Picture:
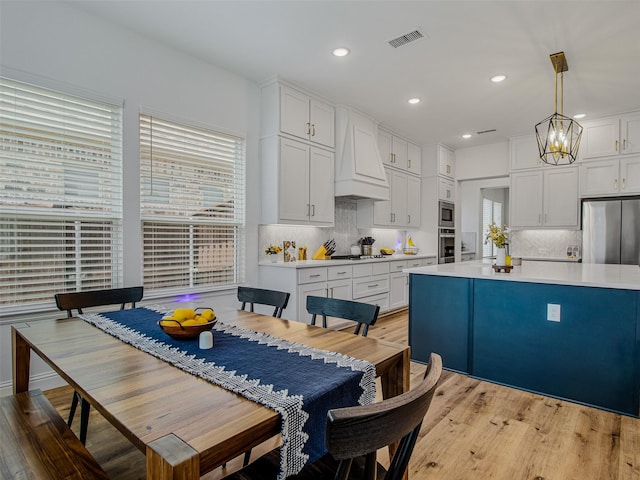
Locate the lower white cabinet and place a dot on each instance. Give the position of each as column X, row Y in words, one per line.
column 381, row 282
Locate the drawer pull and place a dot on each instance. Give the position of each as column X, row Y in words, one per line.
column 374, row 285
column 315, row 275
column 340, row 273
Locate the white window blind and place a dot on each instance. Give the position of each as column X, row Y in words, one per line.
column 491, row 213
column 60, row 195
column 193, row 206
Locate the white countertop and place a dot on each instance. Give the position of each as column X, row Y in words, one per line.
column 329, row 263
column 625, row 277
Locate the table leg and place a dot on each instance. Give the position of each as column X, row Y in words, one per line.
column 169, row 458
column 21, row 361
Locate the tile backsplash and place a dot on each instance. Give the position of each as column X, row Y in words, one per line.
column 345, row 233
column 543, row 243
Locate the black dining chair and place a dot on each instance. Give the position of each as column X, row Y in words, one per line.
column 93, row 298
column 354, row 434
column 261, row 296
column 365, row 314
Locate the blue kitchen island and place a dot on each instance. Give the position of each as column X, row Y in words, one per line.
column 568, row 330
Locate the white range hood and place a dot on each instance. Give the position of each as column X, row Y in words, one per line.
column 359, row 170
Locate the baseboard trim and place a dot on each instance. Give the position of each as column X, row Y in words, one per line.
column 43, row 381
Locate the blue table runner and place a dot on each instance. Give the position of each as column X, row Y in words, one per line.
column 299, row 382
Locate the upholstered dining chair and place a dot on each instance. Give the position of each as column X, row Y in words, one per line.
column 354, row 434
column 365, row 314
column 93, row 298
column 260, row 296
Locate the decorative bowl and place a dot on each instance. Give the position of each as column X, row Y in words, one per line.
column 410, row 250
column 186, row 332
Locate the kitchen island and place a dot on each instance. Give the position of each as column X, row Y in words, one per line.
column 569, row 330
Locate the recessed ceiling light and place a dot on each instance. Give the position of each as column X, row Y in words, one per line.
column 341, row 52
column 466, row 135
column 578, row 116
column 498, row 78
column 415, row 100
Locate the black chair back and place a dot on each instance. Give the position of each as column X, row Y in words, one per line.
column 365, row 314
column 260, row 296
column 96, row 298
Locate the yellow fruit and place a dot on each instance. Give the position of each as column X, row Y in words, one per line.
column 168, row 322
column 190, row 313
column 180, row 314
column 191, row 321
column 208, row 315
column 410, row 242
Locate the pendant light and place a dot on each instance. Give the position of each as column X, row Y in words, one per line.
column 558, row 136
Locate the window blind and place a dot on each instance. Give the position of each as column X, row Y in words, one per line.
column 60, row 195
column 192, row 205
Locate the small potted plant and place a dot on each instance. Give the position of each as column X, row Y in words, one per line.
column 272, row 251
column 499, row 237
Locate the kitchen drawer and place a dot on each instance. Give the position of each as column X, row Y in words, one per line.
column 380, row 268
column 365, row 287
column 381, row 299
column 363, row 270
column 309, row 275
column 339, row 272
column 399, row 265
column 429, row 261
column 418, row 262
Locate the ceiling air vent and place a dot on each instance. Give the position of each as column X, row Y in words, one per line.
column 486, row 131
column 406, row 38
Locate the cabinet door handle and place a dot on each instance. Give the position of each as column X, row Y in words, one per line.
column 448, row 168
column 314, row 275
column 341, row 273
column 408, row 218
column 624, row 144
column 331, row 292
column 373, row 285
column 623, row 183
column 408, row 163
column 308, row 128
column 616, row 145
column 615, row 184
column 313, row 129
column 313, row 210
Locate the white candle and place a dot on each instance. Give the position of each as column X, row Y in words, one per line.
column 205, row 340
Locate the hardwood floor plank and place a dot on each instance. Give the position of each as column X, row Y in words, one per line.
column 473, row 430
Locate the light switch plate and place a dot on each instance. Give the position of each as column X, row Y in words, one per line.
column 553, row 312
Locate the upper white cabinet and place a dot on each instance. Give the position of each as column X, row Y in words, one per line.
column 610, row 136
column 446, row 162
column 446, row 190
column 545, row 198
column 297, row 182
column 614, row 176
column 403, row 208
column 306, row 117
column 414, row 159
column 399, row 153
column 524, row 152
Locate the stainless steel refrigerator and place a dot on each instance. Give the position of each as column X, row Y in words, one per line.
column 611, row 231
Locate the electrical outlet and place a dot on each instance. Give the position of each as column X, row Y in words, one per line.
column 553, row 312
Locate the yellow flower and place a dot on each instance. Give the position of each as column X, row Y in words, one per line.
column 497, row 235
column 273, row 250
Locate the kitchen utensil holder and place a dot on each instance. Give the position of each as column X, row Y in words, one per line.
column 366, row 250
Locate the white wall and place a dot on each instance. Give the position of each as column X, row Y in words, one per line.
column 484, row 161
column 56, row 45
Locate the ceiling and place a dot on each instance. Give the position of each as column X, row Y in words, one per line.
column 464, row 44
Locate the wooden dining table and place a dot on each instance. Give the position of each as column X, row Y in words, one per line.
column 186, row 426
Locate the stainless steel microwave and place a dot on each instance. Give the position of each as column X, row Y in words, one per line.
column 446, row 214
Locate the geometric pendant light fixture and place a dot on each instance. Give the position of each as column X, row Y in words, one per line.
column 558, row 136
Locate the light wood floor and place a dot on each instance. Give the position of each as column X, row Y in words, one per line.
column 473, row 430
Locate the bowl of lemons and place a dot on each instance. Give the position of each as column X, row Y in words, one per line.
column 187, row 323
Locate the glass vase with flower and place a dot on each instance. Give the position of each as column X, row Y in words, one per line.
column 500, row 238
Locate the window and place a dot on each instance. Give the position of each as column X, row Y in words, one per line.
column 60, row 195
column 491, row 213
column 193, row 208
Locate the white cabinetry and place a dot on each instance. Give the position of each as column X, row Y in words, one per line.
column 614, row 176
column 331, row 282
column 306, row 117
column 524, row 152
column 547, row 198
column 399, row 153
column 446, row 162
column 371, row 284
column 446, row 189
column 611, row 136
column 403, row 208
column 467, row 257
column 297, row 183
